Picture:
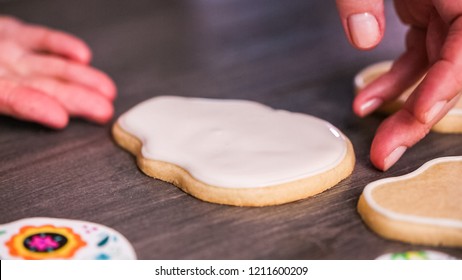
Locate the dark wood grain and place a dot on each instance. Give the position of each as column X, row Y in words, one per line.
column 286, row 54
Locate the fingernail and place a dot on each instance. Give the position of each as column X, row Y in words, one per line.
column 434, row 111
column 364, row 30
column 394, row 156
column 370, row 106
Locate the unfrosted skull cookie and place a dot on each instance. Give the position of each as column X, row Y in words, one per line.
column 49, row 238
column 233, row 151
column 422, row 207
column 451, row 123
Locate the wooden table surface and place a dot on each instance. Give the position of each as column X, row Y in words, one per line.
column 287, row 54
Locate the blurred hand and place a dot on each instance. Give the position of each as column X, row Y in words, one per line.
column 45, row 77
column 433, row 44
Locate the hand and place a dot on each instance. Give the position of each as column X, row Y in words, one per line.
column 45, row 77
column 433, row 46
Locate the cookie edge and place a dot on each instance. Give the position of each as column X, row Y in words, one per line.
column 254, row 197
column 402, row 230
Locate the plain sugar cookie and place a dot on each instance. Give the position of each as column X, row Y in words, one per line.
column 233, row 151
column 451, row 123
column 423, row 207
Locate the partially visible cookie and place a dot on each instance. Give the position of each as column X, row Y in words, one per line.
column 451, row 123
column 234, row 152
column 416, row 255
column 51, row 239
column 422, row 207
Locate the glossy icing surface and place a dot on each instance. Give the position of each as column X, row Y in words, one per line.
column 234, row 143
column 369, row 190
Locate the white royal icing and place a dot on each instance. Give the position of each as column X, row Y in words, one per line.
column 362, row 79
column 369, row 189
column 234, row 143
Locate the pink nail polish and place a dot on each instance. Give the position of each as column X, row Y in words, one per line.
column 434, row 111
column 364, row 30
column 370, row 106
column 394, row 156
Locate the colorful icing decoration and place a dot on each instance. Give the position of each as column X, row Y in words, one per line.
column 49, row 238
column 103, row 241
column 44, row 242
column 234, row 143
column 416, row 255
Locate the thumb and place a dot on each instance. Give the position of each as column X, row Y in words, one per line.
column 363, row 21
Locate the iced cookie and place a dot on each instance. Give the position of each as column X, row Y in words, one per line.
column 422, row 207
column 49, row 238
column 451, row 123
column 233, row 151
column 416, row 255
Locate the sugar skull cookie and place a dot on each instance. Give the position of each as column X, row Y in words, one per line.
column 49, row 238
column 416, row 255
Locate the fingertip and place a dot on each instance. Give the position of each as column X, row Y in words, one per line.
column 433, row 112
column 108, row 88
column 105, row 114
column 364, row 30
column 357, row 108
column 68, row 45
column 382, row 159
column 105, row 86
column 101, row 110
column 32, row 105
column 390, row 141
column 58, row 121
column 83, row 55
column 393, row 157
column 50, row 114
column 389, row 137
column 79, row 50
column 363, row 22
column 363, row 107
column 42, row 38
column 378, row 155
column 394, row 136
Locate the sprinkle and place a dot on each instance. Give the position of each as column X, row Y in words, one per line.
column 103, row 241
column 102, row 256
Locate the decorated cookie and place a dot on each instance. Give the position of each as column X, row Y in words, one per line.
column 423, row 207
column 451, row 123
column 233, row 151
column 49, row 238
column 416, row 255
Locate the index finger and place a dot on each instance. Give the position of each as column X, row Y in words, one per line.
column 399, row 132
